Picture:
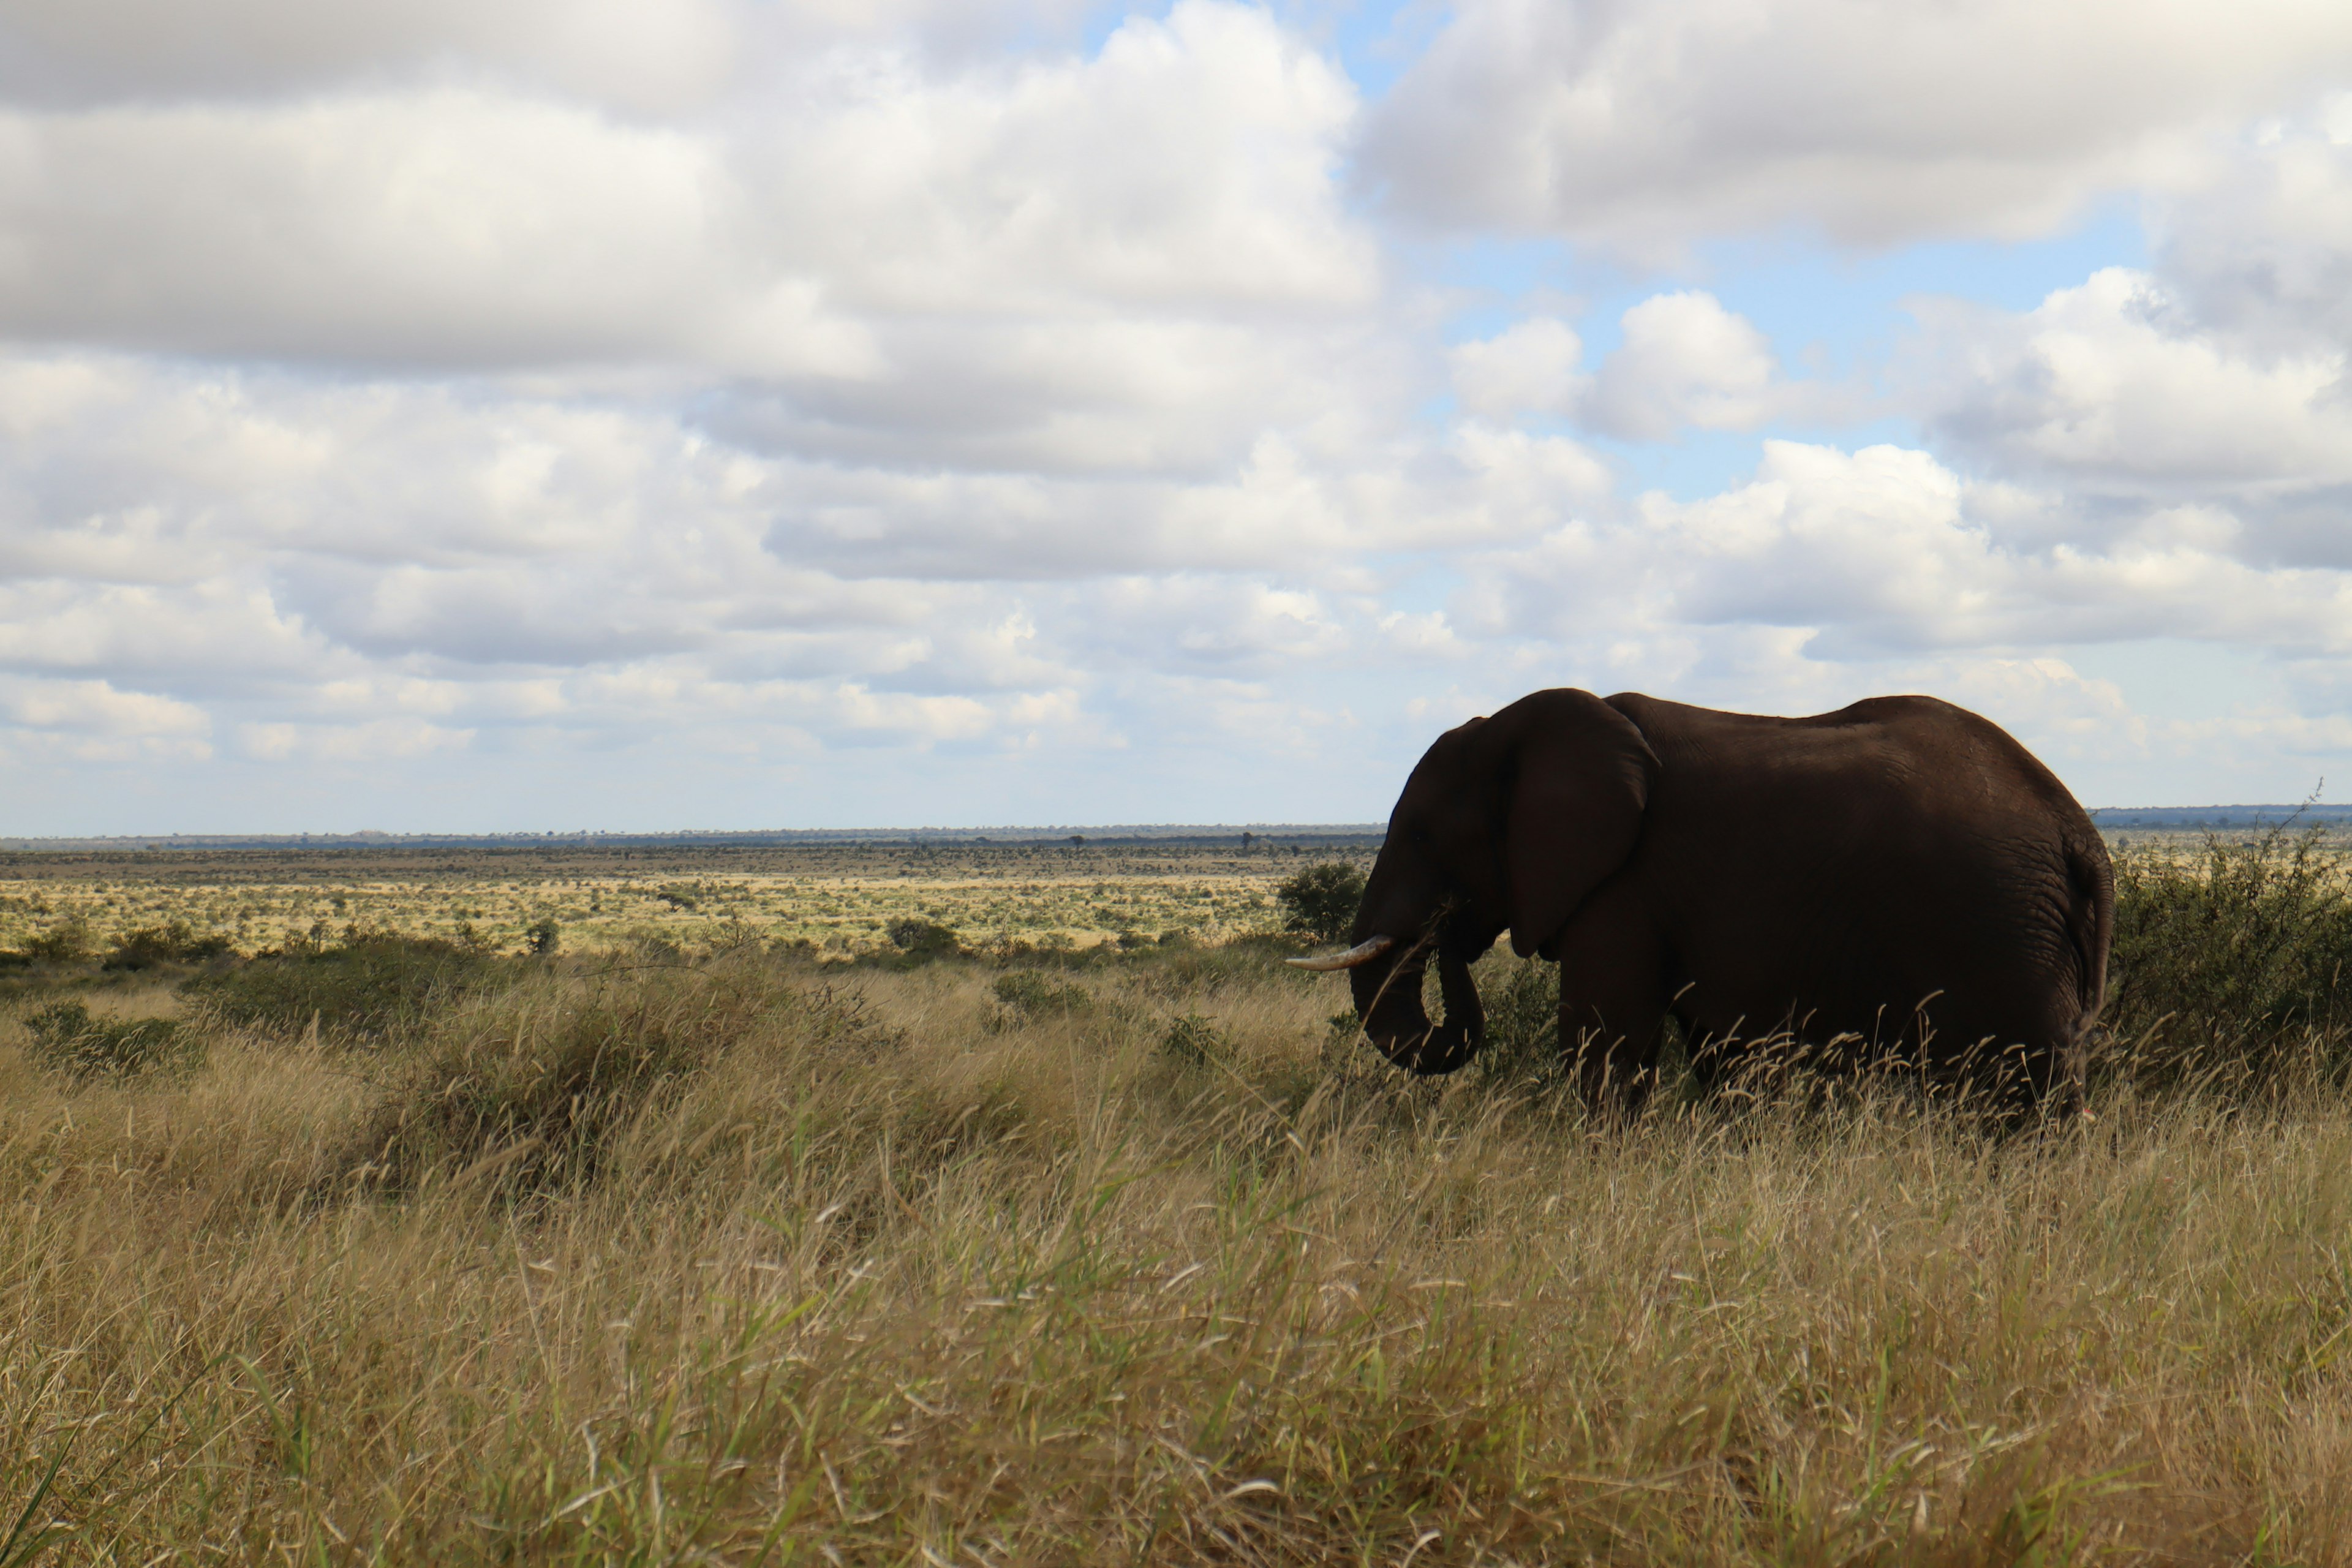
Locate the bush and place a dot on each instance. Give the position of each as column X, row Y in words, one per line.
column 2230, row 960
column 66, row 943
column 68, row 1041
column 371, row 985
column 1032, row 995
column 1195, row 1041
column 1320, row 901
column 542, row 1080
column 921, row 939
column 151, row 947
column 1521, row 1001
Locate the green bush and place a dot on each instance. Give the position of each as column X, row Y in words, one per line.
column 151, row 947
column 2230, row 962
column 538, row 1082
column 1195, row 1041
column 65, row 943
column 370, row 986
column 922, row 938
column 1521, row 1000
column 68, row 1041
column 1032, row 995
column 1320, row 901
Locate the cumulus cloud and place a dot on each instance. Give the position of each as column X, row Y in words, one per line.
column 641, row 52
column 342, row 570
column 2116, row 386
column 2262, row 248
column 1684, row 362
column 1828, row 560
column 645, row 56
column 451, row 228
column 2199, row 402
column 600, row 402
column 1531, row 366
column 1646, row 126
column 1138, row 258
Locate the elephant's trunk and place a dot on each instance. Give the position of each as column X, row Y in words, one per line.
column 1388, row 1000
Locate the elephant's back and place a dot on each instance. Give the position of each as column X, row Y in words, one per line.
column 1850, row 863
column 1909, row 769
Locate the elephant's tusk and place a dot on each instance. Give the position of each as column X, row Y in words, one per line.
column 1364, row 952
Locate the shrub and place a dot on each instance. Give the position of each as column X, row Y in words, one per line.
column 1032, row 995
column 371, row 985
column 540, row 1080
column 68, row 1041
column 1320, row 901
column 1521, row 1000
column 1195, row 1041
column 541, row 937
column 2230, row 960
column 66, row 943
column 922, row 938
column 150, row 947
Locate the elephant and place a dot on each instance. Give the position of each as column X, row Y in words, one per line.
column 1897, row 880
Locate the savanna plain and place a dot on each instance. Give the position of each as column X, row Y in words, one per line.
column 1004, row 1204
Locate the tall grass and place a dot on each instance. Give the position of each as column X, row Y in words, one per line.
column 368, row 986
column 2230, row 962
column 740, row 1260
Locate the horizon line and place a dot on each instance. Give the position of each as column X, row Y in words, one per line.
column 2255, row 814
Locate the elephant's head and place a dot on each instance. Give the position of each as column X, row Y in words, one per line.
column 1508, row 822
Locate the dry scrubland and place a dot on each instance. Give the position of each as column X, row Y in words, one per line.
column 840, row 897
column 732, row 1256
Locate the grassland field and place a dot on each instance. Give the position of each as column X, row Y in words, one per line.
column 838, row 896
column 674, row 1247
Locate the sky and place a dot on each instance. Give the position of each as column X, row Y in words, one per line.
column 479, row 415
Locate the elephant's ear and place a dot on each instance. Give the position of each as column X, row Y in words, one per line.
column 1577, row 795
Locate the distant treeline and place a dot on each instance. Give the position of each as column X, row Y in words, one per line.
column 2117, row 817
column 1312, row 835
column 1327, row 835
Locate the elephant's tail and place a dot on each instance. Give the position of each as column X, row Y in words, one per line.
column 2090, row 921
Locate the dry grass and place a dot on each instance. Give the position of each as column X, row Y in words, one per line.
column 839, row 896
column 879, row 1268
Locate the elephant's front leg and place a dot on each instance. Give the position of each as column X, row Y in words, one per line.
column 1612, row 1011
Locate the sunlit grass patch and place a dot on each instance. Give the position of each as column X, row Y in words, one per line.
column 843, row 897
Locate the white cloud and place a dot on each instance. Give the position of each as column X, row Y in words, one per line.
column 1875, row 555
column 768, row 404
column 449, row 228
column 1686, row 361
column 2262, row 248
column 642, row 56
column 98, row 707
column 1135, row 260
column 1649, row 125
column 1531, row 366
column 1190, row 161
column 2114, row 385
